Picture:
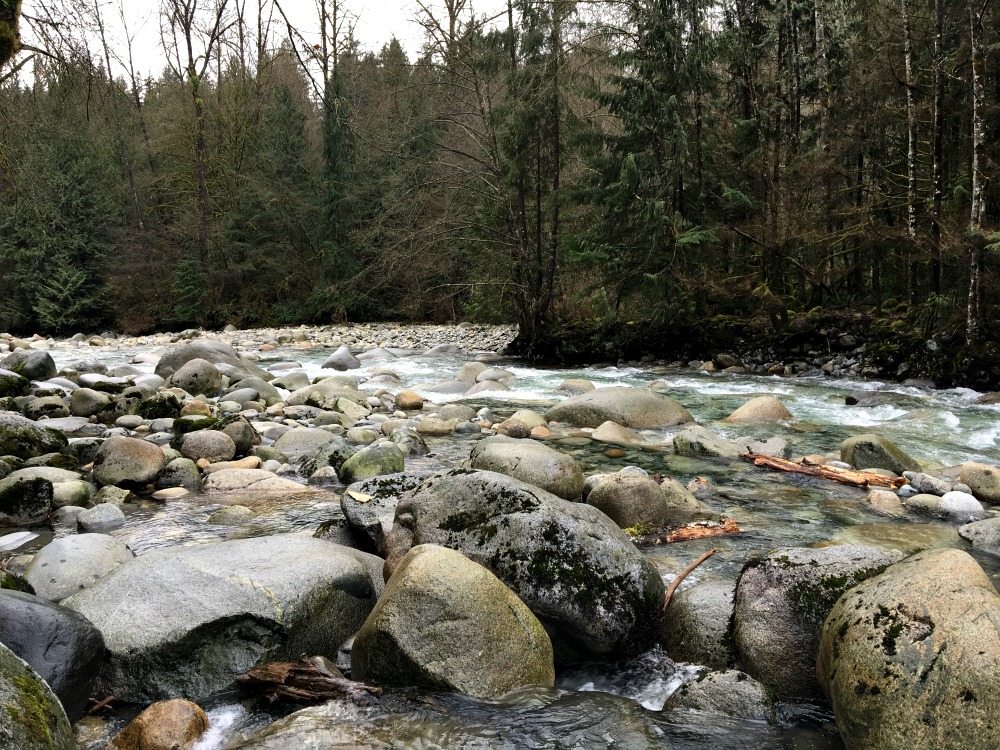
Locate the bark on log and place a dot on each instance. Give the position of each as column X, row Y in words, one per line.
column 305, row 682
column 862, row 479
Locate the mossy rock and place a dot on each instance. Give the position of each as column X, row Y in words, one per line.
column 31, row 717
column 183, row 426
column 12, row 384
column 160, row 406
column 24, row 502
column 23, row 438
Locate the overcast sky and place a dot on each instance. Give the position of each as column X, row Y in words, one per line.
column 377, row 21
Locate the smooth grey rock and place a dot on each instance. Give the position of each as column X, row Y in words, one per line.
column 232, row 515
column 637, row 408
column 265, row 390
column 86, row 402
column 70, row 564
column 183, row 622
column 696, row 625
column 370, row 506
column 128, row 462
column 301, row 440
column 983, row 535
column 179, row 472
column 197, row 377
column 876, row 452
column 217, row 353
column 250, row 480
column 341, row 360
column 781, row 603
column 372, row 461
column 983, row 480
column 210, row 445
column 76, row 492
column 32, row 364
column 730, row 693
column 437, row 609
column 531, row 462
column 61, row 645
column 100, row 518
column 761, row 410
column 956, row 506
column 926, row 484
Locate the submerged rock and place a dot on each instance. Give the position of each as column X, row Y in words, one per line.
column 163, row 726
column 729, row 693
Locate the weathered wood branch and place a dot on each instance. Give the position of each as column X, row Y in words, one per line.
column 305, row 682
column 862, row 479
column 682, row 575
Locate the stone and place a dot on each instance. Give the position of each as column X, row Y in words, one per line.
column 241, row 432
column 369, row 506
column 325, row 394
column 301, row 440
column 447, row 623
column 761, row 410
column 409, row 401
column 696, row 625
column 631, row 501
column 265, row 391
column 575, row 385
column 780, row 605
column 100, row 518
column 730, row 693
column 513, row 428
column 630, row 407
column 197, row 377
column 167, row 725
column 184, row 621
column 983, row 480
column 211, row 445
column 34, row 719
column 341, row 360
column 696, row 440
column 433, row 426
column 12, row 384
column 681, row 500
column 984, row 535
column 24, row 501
column 372, row 461
column 596, row 594
column 232, row 515
column 875, row 452
column 180, row 472
column 76, row 492
column 164, row 405
column 957, row 506
column 908, row 658
column 250, row 480
column 128, row 462
column 925, row 483
column 495, row 373
column 217, row 353
column 70, row 564
column 86, row 402
column 25, row 439
column 615, row 434
column 487, row 385
column 196, row 409
column 61, row 645
column 885, row 501
column 46, row 407
column 468, row 372
column 531, row 462
column 250, row 462
column 30, row 363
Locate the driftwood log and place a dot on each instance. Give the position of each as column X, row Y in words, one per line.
column 862, row 479
column 696, row 530
column 306, row 681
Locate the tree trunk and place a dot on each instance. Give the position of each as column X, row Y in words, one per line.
column 938, row 146
column 973, row 315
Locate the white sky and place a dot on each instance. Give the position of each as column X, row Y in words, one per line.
column 376, row 22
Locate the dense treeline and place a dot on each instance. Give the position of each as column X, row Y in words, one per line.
column 659, row 159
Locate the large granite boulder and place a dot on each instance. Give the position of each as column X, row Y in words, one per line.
column 32, row 364
column 696, row 625
column 760, row 410
column 214, row 352
column 596, row 594
column 531, row 462
column 908, row 659
column 25, row 439
column 983, row 480
column 446, row 622
column 781, row 603
column 197, row 377
column 370, row 506
column 630, row 407
column 33, row 718
column 61, row 645
column 183, row 622
column 67, row 565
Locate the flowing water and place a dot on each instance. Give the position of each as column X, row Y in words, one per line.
column 939, row 428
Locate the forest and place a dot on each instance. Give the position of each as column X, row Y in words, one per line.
column 557, row 163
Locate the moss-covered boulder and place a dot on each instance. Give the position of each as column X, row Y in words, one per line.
column 781, row 603
column 876, row 452
column 696, row 625
column 161, row 406
column 31, row 363
column 372, row 461
column 596, row 594
column 31, row 717
column 24, row 501
column 909, row 658
column 25, row 439
column 439, row 608
column 12, row 384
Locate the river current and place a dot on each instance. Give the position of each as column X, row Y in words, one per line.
column 940, row 428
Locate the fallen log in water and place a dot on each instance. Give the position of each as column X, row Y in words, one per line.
column 697, row 530
column 305, row 681
column 862, row 479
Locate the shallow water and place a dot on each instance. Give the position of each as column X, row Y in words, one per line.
column 939, row 428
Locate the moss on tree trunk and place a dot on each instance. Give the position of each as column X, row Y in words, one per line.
column 10, row 38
